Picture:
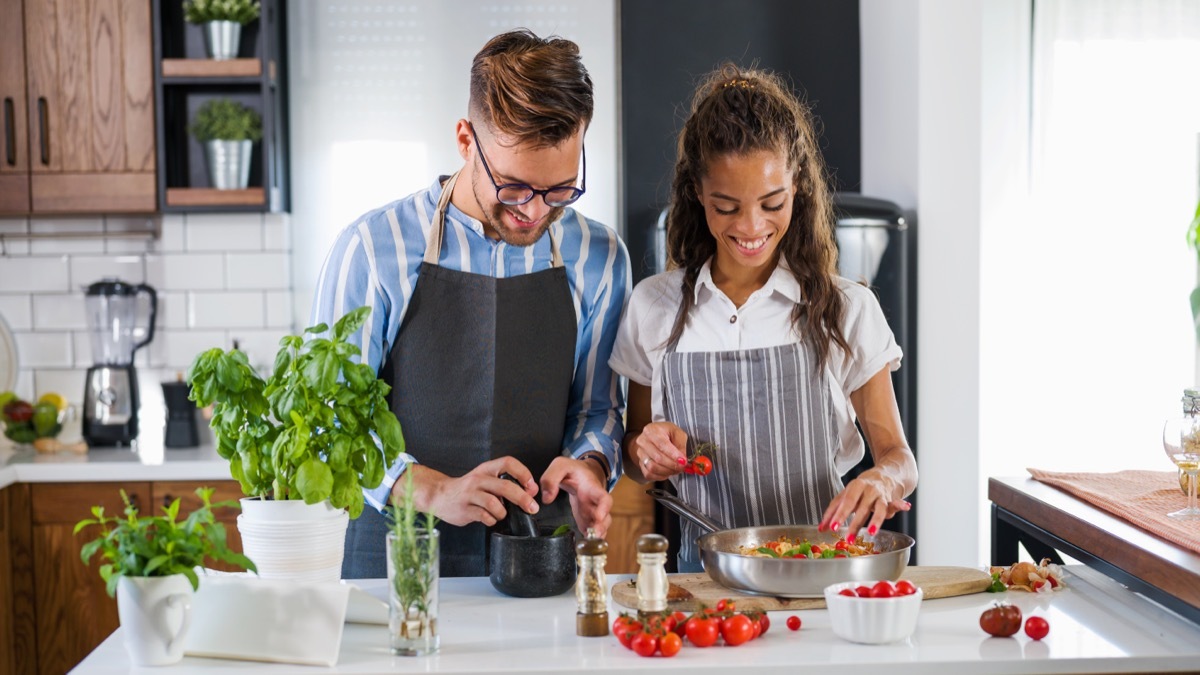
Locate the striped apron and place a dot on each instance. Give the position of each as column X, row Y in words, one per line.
column 770, row 414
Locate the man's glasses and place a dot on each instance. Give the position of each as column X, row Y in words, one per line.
column 516, row 194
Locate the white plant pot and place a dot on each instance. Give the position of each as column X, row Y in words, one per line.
column 288, row 539
column 228, row 163
column 155, row 613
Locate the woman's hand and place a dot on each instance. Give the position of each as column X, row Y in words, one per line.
column 660, row 450
column 869, row 499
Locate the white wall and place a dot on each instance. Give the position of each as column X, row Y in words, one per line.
column 376, row 88
column 942, row 115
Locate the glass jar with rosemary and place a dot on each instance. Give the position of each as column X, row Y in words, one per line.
column 412, row 566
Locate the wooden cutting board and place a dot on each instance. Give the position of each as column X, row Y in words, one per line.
column 689, row 591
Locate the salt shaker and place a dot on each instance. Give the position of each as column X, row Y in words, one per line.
column 591, row 586
column 652, row 574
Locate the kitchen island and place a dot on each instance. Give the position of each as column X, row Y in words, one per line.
column 1096, row 626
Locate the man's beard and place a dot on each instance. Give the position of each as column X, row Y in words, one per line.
column 494, row 220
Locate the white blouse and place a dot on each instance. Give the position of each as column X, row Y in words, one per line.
column 764, row 320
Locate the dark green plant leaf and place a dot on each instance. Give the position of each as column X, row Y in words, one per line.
column 560, row 530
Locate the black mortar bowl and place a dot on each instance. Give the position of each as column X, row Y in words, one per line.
column 533, row 567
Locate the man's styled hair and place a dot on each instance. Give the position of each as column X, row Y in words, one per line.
column 530, row 89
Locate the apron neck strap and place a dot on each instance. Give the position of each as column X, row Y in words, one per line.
column 433, row 242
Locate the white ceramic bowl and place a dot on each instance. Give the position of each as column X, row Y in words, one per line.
column 872, row 620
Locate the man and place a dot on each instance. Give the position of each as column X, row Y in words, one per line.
column 495, row 310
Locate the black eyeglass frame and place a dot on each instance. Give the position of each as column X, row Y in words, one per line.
column 530, row 191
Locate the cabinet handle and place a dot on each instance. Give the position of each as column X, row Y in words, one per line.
column 42, row 134
column 10, row 133
column 167, row 499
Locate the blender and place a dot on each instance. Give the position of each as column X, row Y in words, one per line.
column 110, row 395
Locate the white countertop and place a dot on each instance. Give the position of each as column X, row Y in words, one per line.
column 1096, row 626
column 148, row 462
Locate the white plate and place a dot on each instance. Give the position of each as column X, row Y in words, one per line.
column 8, row 358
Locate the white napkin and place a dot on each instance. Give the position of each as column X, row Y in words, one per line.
column 236, row 617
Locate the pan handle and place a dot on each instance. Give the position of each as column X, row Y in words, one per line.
column 678, row 506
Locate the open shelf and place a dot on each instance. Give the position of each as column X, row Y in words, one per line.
column 186, row 79
column 203, row 68
column 255, row 196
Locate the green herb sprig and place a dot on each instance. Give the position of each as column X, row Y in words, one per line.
column 414, row 557
column 203, row 11
column 224, row 119
column 310, row 430
column 159, row 546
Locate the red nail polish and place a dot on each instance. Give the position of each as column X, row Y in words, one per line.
column 821, row 527
column 681, row 461
column 836, row 526
column 872, row 529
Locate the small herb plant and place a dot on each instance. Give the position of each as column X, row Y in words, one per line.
column 203, row 11
column 223, row 119
column 1193, row 237
column 415, row 561
column 159, row 546
column 309, row 430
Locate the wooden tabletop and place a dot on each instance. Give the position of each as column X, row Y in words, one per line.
column 1097, row 534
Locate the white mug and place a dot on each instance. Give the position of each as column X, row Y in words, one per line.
column 155, row 613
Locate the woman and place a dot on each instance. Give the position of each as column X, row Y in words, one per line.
column 752, row 347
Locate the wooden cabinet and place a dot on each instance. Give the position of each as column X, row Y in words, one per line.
column 85, row 140
column 632, row 516
column 66, row 612
column 7, row 637
column 14, row 164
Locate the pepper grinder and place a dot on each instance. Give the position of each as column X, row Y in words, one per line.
column 591, row 586
column 652, row 575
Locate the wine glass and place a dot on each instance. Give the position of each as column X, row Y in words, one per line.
column 1181, row 440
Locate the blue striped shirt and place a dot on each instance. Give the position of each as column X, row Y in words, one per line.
column 375, row 261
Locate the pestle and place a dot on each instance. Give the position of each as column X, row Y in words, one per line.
column 520, row 523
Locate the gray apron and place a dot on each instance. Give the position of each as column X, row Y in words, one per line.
column 771, row 417
column 481, row 368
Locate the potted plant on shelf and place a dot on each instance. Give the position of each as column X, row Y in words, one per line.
column 222, row 22
column 149, row 566
column 303, row 443
column 228, row 131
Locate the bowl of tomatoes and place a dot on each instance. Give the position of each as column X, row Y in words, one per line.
column 873, row 612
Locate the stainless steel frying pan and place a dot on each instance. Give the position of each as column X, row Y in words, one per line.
column 786, row 578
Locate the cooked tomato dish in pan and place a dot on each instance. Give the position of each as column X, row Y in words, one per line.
column 786, row 547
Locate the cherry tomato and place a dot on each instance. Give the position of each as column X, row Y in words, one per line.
column 670, row 644
column 645, row 644
column 848, row 593
column 863, row 591
column 905, row 587
column 883, row 589
column 724, row 604
column 680, row 620
column 1001, row 620
column 755, row 629
column 841, row 545
column 765, row 622
column 1036, row 627
column 737, row 629
column 814, row 551
column 704, row 465
column 689, row 468
column 625, row 627
column 793, row 622
column 703, row 632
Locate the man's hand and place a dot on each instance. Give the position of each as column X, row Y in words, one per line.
column 582, row 480
column 480, row 496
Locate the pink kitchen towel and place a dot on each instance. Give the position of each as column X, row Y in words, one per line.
column 1143, row 498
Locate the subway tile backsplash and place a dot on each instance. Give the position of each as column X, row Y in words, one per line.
column 220, row 278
